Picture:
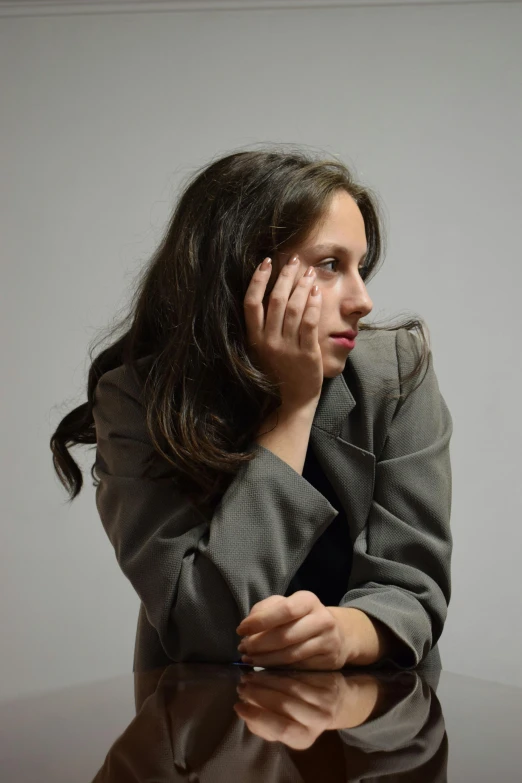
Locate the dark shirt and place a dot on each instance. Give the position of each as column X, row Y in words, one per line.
column 327, row 566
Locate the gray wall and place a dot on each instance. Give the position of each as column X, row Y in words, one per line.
column 103, row 113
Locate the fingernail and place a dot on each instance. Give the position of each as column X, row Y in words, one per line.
column 266, row 264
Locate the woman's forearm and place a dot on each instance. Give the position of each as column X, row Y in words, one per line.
column 286, row 433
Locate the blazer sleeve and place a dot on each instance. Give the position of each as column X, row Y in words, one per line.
column 401, row 559
column 197, row 577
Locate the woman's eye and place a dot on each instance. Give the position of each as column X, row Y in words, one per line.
column 362, row 269
column 332, row 261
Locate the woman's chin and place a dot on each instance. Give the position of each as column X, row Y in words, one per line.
column 333, row 367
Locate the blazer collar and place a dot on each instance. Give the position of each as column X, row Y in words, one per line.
column 349, row 467
column 335, row 404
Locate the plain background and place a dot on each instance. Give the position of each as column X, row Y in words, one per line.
column 105, row 109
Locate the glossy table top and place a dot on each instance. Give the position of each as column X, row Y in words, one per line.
column 216, row 722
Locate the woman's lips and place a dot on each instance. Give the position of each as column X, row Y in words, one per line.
column 344, row 341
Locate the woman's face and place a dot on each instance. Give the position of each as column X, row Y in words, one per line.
column 345, row 299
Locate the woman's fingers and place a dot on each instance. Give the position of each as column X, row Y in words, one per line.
column 288, row 656
column 309, row 329
column 290, row 634
column 253, row 301
column 283, row 313
column 279, row 612
column 286, row 347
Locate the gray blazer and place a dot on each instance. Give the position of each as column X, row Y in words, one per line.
column 197, row 577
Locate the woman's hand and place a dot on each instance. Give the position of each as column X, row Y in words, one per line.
column 286, row 347
column 298, row 631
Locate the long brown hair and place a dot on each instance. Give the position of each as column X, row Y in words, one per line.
column 204, row 398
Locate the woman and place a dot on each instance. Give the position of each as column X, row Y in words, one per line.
column 257, row 477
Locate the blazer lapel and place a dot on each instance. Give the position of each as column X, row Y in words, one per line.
column 349, row 468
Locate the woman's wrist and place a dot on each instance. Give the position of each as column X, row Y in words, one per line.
column 367, row 640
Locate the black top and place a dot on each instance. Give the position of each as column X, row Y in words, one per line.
column 327, row 566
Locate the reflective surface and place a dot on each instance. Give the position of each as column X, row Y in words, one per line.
column 212, row 722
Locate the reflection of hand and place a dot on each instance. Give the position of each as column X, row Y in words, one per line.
column 296, row 707
column 296, row 630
